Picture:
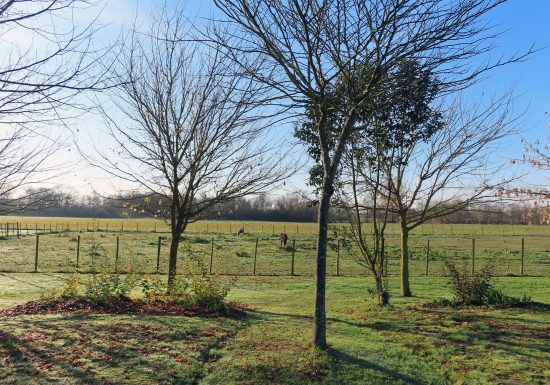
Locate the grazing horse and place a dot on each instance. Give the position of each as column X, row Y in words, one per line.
column 283, row 238
column 241, row 231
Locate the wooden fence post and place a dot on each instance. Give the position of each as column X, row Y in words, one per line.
column 255, row 254
column 36, row 254
column 158, row 253
column 427, row 257
column 473, row 256
column 292, row 263
column 338, row 258
column 522, row 255
column 78, row 251
column 211, row 255
column 116, row 254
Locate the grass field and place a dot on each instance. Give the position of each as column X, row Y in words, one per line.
column 270, row 343
column 138, row 246
column 401, row 344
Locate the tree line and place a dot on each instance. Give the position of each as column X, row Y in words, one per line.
column 291, row 207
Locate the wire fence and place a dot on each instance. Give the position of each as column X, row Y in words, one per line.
column 260, row 254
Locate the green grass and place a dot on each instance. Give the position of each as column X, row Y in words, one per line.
column 235, row 255
column 271, row 343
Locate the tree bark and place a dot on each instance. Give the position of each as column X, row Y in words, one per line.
column 381, row 294
column 405, row 288
column 320, row 319
column 174, row 244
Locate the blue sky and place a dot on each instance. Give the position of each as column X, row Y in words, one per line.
column 523, row 22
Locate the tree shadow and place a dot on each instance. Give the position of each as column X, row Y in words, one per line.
column 394, row 375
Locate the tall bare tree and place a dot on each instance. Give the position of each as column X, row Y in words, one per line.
column 46, row 60
column 455, row 168
column 302, row 48
column 188, row 128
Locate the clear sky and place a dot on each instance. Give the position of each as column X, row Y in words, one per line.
column 524, row 22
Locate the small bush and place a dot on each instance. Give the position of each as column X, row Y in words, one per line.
column 198, row 289
column 70, row 289
column 200, row 240
column 476, row 289
column 469, row 289
column 109, row 287
column 242, row 254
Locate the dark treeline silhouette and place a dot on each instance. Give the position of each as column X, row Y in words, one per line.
column 287, row 208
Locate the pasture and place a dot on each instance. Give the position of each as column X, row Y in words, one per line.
column 217, row 241
column 405, row 343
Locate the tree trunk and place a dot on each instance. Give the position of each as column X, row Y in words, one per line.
column 173, row 260
column 405, row 288
column 320, row 318
column 381, row 294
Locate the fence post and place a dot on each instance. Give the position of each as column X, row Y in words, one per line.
column 211, row 255
column 522, row 255
column 255, row 254
column 77, row 251
column 18, row 230
column 293, row 250
column 137, row 227
column 338, row 258
column 473, row 255
column 427, row 257
column 116, row 254
column 122, row 228
column 36, row 254
column 158, row 253
column 155, row 227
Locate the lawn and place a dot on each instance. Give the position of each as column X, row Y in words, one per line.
column 270, row 342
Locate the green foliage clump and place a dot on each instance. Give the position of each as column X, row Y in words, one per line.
column 197, row 289
column 477, row 289
column 242, row 254
column 110, row 287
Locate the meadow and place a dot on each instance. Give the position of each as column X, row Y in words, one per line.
column 269, row 341
column 138, row 246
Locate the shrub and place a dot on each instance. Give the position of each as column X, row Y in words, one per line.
column 469, row 289
column 242, row 254
column 477, row 289
column 109, row 287
column 70, row 289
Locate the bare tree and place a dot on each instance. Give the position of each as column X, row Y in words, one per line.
column 187, row 127
column 303, row 48
column 363, row 197
column 46, row 61
column 456, row 168
column 537, row 156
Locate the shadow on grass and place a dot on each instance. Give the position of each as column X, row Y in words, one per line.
column 394, row 375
